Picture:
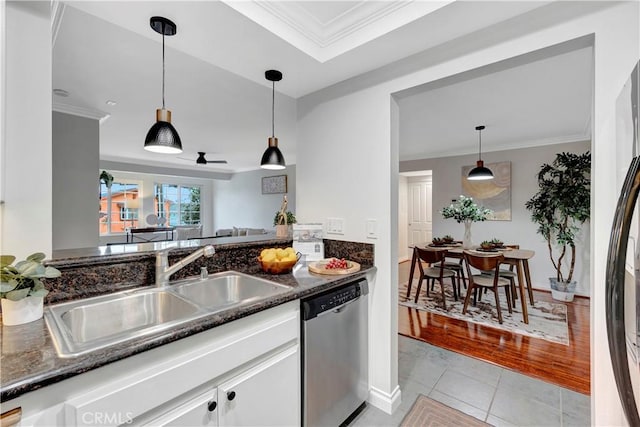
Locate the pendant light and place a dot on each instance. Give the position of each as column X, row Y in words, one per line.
column 480, row 173
column 163, row 137
column 272, row 157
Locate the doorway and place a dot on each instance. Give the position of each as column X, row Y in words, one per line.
column 415, row 216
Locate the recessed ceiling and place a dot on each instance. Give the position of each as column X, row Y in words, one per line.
column 215, row 85
column 326, row 29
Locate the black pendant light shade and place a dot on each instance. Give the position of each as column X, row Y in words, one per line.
column 480, row 173
column 272, row 157
column 163, row 137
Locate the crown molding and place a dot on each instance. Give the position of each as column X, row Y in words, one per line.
column 89, row 113
column 57, row 13
column 324, row 39
column 533, row 143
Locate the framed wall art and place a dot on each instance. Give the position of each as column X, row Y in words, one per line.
column 274, row 184
column 494, row 194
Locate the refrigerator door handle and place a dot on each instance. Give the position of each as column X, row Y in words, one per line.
column 614, row 292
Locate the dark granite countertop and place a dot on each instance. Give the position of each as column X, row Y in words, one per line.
column 29, row 359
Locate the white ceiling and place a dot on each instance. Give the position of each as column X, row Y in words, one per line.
column 105, row 50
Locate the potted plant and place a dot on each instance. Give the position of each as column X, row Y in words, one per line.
column 559, row 208
column 282, row 221
column 21, row 290
column 467, row 211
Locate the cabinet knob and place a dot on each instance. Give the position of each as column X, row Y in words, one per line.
column 231, row 395
column 212, row 405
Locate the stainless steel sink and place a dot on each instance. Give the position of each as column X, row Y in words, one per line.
column 86, row 325
column 222, row 290
column 89, row 324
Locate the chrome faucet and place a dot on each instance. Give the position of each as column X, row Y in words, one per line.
column 164, row 271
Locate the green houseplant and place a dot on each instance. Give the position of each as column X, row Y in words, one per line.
column 559, row 208
column 21, row 289
column 284, row 219
column 467, row 211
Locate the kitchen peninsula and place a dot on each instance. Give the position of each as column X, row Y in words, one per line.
column 231, row 343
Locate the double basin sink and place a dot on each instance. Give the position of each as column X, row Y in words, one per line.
column 78, row 327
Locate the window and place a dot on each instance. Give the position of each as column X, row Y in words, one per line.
column 128, row 213
column 119, row 206
column 178, row 204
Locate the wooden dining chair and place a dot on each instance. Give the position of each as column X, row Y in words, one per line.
column 493, row 282
column 510, row 275
column 439, row 273
column 457, row 266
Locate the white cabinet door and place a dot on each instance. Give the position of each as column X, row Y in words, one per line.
column 201, row 411
column 267, row 394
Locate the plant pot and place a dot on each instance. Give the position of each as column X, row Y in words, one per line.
column 282, row 230
column 22, row 311
column 562, row 291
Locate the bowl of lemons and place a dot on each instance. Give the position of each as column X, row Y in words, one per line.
column 278, row 260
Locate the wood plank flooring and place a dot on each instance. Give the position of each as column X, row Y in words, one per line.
column 566, row 366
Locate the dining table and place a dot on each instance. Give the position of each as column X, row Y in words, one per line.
column 512, row 256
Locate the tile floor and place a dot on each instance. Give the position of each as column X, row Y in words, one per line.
column 495, row 395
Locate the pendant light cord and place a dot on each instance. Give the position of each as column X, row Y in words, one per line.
column 273, row 108
column 163, row 65
column 480, row 144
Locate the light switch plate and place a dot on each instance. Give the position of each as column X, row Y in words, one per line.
column 372, row 228
column 335, row 225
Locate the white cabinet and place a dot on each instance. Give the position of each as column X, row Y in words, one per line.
column 257, row 357
column 263, row 395
column 201, row 411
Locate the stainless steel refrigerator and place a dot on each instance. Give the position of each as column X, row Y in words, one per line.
column 623, row 263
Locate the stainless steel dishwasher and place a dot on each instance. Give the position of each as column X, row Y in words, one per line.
column 335, row 379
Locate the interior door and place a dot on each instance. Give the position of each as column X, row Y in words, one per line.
column 419, row 215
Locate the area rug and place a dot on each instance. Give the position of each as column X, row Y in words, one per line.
column 547, row 320
column 429, row 412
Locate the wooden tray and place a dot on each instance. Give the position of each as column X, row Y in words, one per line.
column 319, row 267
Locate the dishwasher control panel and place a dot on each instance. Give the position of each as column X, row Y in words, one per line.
column 331, row 300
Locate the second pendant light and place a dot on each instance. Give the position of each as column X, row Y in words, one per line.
column 272, row 157
column 480, row 172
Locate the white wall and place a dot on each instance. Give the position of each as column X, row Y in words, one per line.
column 239, row 202
column 353, row 118
column 26, row 212
column 76, row 146
column 525, row 164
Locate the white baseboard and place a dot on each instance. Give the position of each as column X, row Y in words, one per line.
column 384, row 401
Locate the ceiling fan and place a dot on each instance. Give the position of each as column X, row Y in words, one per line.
column 201, row 160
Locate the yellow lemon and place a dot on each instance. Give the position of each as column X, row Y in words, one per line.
column 269, row 256
column 290, row 251
column 280, row 253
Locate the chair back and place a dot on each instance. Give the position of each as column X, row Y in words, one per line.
column 431, row 256
column 482, row 262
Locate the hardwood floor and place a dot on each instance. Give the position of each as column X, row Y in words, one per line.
column 566, row 366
